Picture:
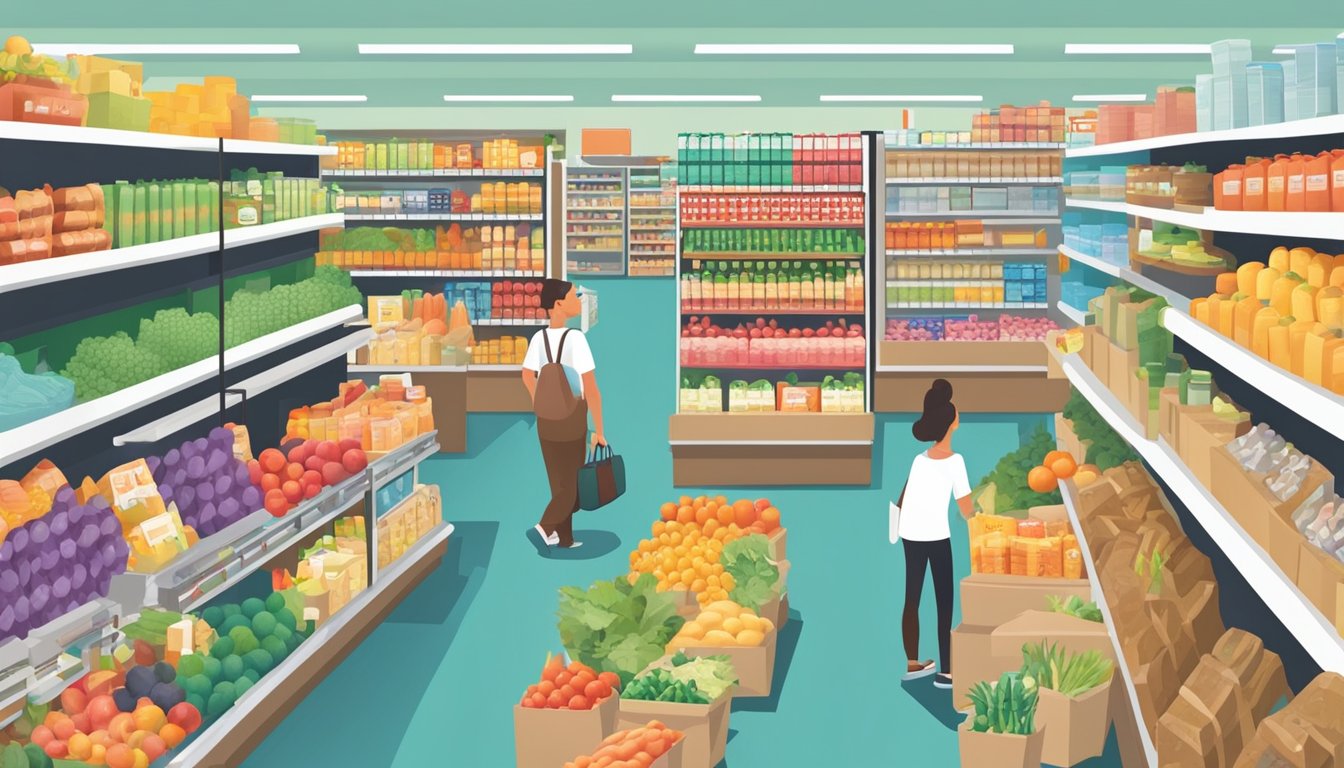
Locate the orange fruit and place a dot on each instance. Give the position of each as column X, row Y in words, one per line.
column 1042, row 480
column 1063, row 466
column 79, row 746
column 770, row 518
column 726, row 514
column 668, row 511
column 97, row 755
column 685, row 515
column 762, row 504
column 684, row 501
column 703, row 514
column 149, row 718
column 721, row 500
column 1052, row 456
column 699, row 501
column 120, row 756
column 744, row 513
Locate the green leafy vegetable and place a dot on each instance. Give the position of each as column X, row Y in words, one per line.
column 755, row 576
column 1071, row 675
column 1108, row 449
column 617, row 626
column 1006, row 707
column 660, row 684
column 1075, row 606
column 712, row 675
column 1009, row 476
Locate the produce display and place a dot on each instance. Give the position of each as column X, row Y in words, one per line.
column 967, row 233
column 769, row 159
column 1077, row 607
column 378, row 419
column 704, row 393
column 402, row 527
column 1308, row 724
column 686, row 552
column 788, row 242
column 723, row 623
column 576, row 686
column 329, row 573
column 1181, row 249
column 1105, row 448
column 765, row 286
column 1010, row 487
column 1293, row 182
column 684, row 680
column 512, row 247
column 643, row 620
column 833, row 344
column 914, row 201
column 1008, row 706
column 932, row 284
column 210, row 486
column 1168, row 186
column 1007, row 327
column 642, row 745
column 1048, row 666
column 417, row 328
column 1289, row 312
column 491, row 197
column 424, row 155
column 174, row 338
column 309, row 467
column 740, row 209
column 1107, row 241
column 971, row 164
column 30, row 396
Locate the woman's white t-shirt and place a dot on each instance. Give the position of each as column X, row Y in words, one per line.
column 577, row 356
column 932, row 485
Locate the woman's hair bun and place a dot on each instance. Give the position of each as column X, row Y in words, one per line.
column 939, row 392
column 938, row 415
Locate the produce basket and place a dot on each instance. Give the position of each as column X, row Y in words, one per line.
column 999, row 750
column 1077, row 727
column 776, row 609
column 705, row 727
column 545, row 738
column 755, row 664
column 778, row 538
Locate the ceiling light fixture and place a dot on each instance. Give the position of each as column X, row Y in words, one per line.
column 853, row 49
column 1096, row 97
column 898, row 97
column 166, row 49
column 310, row 97
column 1160, row 49
column 503, row 97
column 1285, row 50
column 498, row 49
column 663, row 97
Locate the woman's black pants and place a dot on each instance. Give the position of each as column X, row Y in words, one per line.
column 937, row 555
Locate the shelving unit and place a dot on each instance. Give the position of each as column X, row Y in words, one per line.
column 1313, row 631
column 595, row 219
column 940, row 281
column 653, row 221
column 1316, row 126
column 1324, row 226
column 773, row 447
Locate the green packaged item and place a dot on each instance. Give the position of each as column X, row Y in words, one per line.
column 114, row 110
column 167, row 217
column 179, row 209
column 269, row 202
column 189, row 209
column 205, row 216
column 110, row 222
column 215, row 212
column 153, row 211
column 139, row 219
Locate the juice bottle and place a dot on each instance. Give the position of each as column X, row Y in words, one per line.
column 1253, row 185
column 796, row 286
column 734, row 297
column 828, row 286
column 1337, row 180
column 757, row 286
column 743, row 270
column 1276, row 184
column 689, row 282
column 772, row 285
column 707, row 287
column 1295, row 198
column 1318, row 182
column 1227, row 188
column 818, row 287
column 806, row 290
column 721, row 286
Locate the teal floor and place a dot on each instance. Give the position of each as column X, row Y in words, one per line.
column 435, row 684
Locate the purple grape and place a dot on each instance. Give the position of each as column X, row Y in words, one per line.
column 205, row 492
column 6, row 619
column 223, row 485
column 178, row 478
column 155, row 464
column 241, row 477
column 109, row 553
column 104, row 582
column 60, row 523
column 110, row 525
column 6, row 552
column 25, row 572
column 9, row 581
column 229, row 509
column 20, row 538
column 99, row 503
column 50, row 557
column 216, row 461
column 60, row 587
column 39, row 530
column 251, row 498
column 40, row 596
column 67, row 549
column 172, row 458
column 166, row 493
column 186, row 497
column 195, row 468
column 95, row 566
column 123, row 551
column 78, row 573
column 88, row 536
column 76, row 515
column 21, row 609
column 222, row 435
column 65, row 496
column 199, row 445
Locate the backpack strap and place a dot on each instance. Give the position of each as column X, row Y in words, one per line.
column 561, row 354
column 546, row 339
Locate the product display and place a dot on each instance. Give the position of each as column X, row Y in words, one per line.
column 814, row 286
column 400, row 528
column 379, row 418
column 489, row 198
column 512, row 248
column 768, row 160
column 970, row 328
column 428, row 155
column 965, row 285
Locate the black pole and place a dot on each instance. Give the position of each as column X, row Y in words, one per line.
column 223, row 404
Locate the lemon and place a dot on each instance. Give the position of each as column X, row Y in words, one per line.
column 719, row 637
column 749, row 637
column 733, row 625
column 710, row 619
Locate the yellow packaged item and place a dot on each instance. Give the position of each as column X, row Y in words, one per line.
column 129, row 485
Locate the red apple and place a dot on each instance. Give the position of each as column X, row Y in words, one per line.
column 346, row 444
column 354, row 460
column 314, row 462
column 328, row 451
column 808, row 333
column 333, row 473
column 794, row 333
column 755, row 333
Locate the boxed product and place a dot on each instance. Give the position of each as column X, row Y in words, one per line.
column 754, row 665
column 1075, row 728
column 1070, row 632
column 544, row 738
column 705, row 725
column 988, row 600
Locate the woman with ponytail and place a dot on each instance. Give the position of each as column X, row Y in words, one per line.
column 937, row 476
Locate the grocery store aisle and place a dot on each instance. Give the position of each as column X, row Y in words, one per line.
column 435, row 684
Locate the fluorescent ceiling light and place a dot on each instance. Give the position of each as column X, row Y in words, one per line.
column 498, row 49
column 165, row 49
column 1093, row 97
column 1149, row 48
column 897, row 97
column 505, row 97
column 310, row 97
column 854, row 49
column 1285, row 50
column 650, row 97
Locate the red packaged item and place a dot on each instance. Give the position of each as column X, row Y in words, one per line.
column 1227, row 188
column 1276, row 184
column 1317, row 182
column 1295, row 197
column 37, row 100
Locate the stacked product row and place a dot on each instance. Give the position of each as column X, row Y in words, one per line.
column 428, row 155
column 493, row 198
column 1004, row 125
column 972, row 164
column 927, row 284
column 986, row 199
column 762, row 286
column 962, row 233
column 769, row 159
column 777, row 208
column 514, row 248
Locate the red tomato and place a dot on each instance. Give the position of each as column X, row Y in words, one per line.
column 612, row 679
column 276, row 503
column 292, row 491
column 555, row 700
column 577, row 701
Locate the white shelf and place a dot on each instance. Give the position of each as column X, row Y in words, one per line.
column 1077, row 316
column 443, row 216
column 1013, row 217
column 1316, row 633
column 1315, row 126
column 961, row 368
column 963, row 282
column 36, row 435
column 1325, row 408
column 494, row 368
column 1293, row 224
column 162, row 428
column 111, row 137
column 445, row 273
column 274, row 683
column 924, row 181
column 698, row 189
column 980, row 145
column 1097, row 263
column 971, row 252
column 392, row 368
column 499, row 322
column 438, row 173
column 14, row 277
column 1066, row 490
column 967, row 305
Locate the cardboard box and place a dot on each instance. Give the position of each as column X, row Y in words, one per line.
column 988, row 600
column 545, row 738
column 1201, row 433
column 1120, row 376
column 1283, row 543
column 777, row 539
column 755, row 665
column 1235, row 489
column 1068, row 439
column 1070, row 632
column 1075, row 728
column 1320, row 577
column 776, row 609
column 1100, row 359
column 1169, row 417
column 973, row 661
column 705, row 726
column 999, row 750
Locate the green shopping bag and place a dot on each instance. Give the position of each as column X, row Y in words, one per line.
column 601, row 478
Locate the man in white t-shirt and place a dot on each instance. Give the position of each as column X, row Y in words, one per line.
column 564, row 458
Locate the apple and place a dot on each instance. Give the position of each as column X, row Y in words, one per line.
column 794, row 333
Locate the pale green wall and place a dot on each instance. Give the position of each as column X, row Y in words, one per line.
column 654, row 129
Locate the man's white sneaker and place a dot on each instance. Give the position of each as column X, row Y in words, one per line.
column 551, row 540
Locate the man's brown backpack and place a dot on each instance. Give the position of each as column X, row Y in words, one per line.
column 560, row 415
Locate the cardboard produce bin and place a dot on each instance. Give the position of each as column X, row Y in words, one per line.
column 754, row 664
column 1235, row 489
column 999, row 750
column 546, row 738
column 777, row 539
column 1068, row 439
column 988, row 600
column 1284, row 544
column 1201, row 433
column 1069, row 632
column 688, row 605
column 973, row 661
column 705, row 726
column 1321, row 579
column 776, row 609
column 1075, row 728
column 1100, row 358
column 1120, row 370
